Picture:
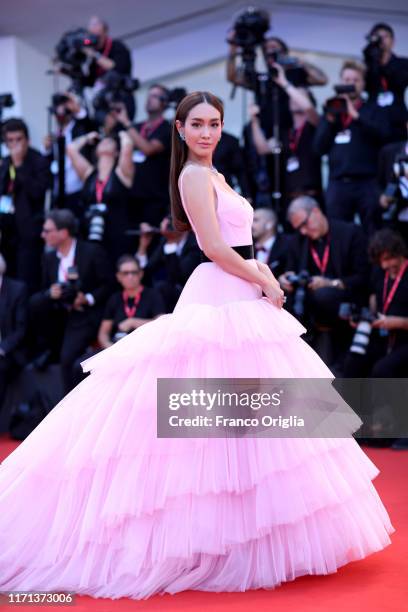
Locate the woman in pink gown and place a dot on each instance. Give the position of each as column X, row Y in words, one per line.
column 93, row 502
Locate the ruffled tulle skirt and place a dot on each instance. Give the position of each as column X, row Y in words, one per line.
column 93, row 502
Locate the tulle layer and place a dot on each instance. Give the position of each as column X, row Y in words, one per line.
column 198, row 328
column 94, row 502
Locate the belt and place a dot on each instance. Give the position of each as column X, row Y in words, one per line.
column 246, row 251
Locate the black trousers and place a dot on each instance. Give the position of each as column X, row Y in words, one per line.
column 66, row 333
column 346, row 197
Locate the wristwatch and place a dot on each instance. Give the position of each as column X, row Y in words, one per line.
column 336, row 282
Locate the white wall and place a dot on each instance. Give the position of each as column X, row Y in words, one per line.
column 23, row 74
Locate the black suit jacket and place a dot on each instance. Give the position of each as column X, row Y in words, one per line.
column 33, row 178
column 229, row 160
column 278, row 254
column 94, row 272
column 348, row 255
column 177, row 267
column 386, row 160
column 13, row 317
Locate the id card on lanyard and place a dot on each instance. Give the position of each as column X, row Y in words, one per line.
column 388, row 296
column 130, row 311
column 7, row 200
column 321, row 264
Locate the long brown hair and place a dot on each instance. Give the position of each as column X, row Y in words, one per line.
column 179, row 152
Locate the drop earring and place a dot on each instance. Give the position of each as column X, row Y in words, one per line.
column 182, row 136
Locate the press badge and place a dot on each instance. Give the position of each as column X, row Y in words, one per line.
column 343, row 137
column 6, row 205
column 138, row 157
column 385, row 98
column 292, row 164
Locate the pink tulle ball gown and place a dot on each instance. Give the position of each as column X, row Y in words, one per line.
column 93, row 502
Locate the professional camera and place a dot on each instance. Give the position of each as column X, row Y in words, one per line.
column 117, row 88
column 96, row 215
column 6, row 100
column 397, row 191
column 70, row 52
column 338, row 105
column 250, row 27
column 373, row 51
column 299, row 282
column 71, row 287
column 364, row 318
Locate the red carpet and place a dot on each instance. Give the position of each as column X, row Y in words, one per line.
column 378, row 583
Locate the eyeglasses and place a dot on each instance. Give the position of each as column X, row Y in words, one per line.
column 129, row 272
column 304, row 222
column 46, row 230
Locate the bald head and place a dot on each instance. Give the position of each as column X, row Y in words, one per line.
column 264, row 224
column 305, row 216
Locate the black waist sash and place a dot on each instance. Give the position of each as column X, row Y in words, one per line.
column 246, row 251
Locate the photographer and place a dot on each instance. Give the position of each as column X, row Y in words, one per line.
column 327, row 259
column 72, row 121
column 13, row 327
column 303, row 172
column 131, row 307
column 76, row 283
column 393, row 179
column 386, row 355
column 351, row 133
column 107, row 186
column 109, row 54
column 171, row 262
column 387, row 76
column 24, row 179
column 152, row 141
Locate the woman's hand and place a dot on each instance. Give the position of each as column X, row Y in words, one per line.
column 274, row 293
column 265, row 269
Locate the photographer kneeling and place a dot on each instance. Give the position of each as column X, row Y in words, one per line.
column 76, row 283
column 327, row 265
column 384, row 351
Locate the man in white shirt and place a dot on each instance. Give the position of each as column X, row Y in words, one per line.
column 77, row 280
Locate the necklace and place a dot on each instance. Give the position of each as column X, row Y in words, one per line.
column 212, row 168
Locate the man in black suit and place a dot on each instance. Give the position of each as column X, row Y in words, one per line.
column 171, row 262
column 13, row 326
column 77, row 280
column 24, row 179
column 334, row 254
column 271, row 247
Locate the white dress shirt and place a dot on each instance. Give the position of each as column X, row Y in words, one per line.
column 263, row 256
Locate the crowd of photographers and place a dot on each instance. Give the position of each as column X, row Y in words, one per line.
column 101, row 258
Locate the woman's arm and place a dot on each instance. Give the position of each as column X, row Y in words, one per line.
column 82, row 166
column 199, row 198
column 125, row 168
column 104, row 334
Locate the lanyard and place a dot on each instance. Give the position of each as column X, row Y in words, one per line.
column 345, row 117
column 149, row 127
column 130, row 311
column 294, row 137
column 12, row 174
column 100, row 188
column 321, row 264
column 387, row 299
column 106, row 50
